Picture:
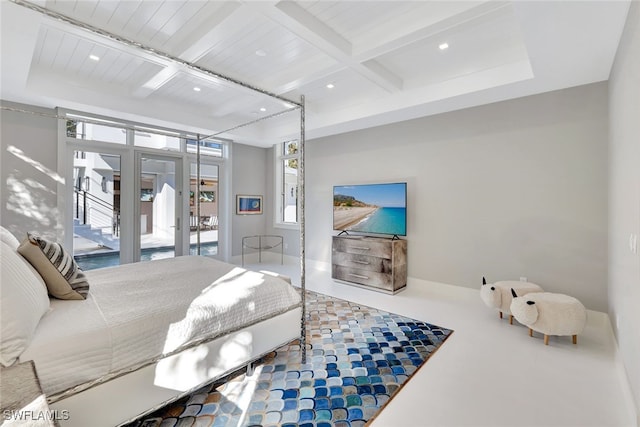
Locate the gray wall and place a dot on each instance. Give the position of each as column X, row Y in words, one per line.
column 624, row 198
column 28, row 164
column 511, row 189
column 248, row 177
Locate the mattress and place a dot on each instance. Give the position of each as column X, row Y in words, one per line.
column 138, row 313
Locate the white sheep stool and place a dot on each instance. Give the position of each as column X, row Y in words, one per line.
column 498, row 295
column 550, row 314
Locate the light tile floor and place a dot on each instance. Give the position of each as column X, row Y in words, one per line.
column 490, row 373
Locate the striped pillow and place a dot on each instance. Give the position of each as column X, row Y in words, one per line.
column 64, row 279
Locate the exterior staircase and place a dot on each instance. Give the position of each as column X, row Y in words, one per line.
column 101, row 236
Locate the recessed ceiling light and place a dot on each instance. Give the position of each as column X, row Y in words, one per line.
column 263, row 109
column 94, row 57
column 330, row 86
column 261, row 52
column 444, row 46
column 197, row 89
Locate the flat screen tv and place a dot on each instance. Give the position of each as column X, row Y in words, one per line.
column 371, row 208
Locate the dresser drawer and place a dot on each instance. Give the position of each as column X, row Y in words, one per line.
column 373, row 262
column 370, row 247
column 362, row 262
column 363, row 277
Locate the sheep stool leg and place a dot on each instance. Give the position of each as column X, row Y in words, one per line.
column 511, row 319
column 551, row 314
column 500, row 314
column 530, row 332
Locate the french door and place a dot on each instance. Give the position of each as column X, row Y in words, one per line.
column 129, row 204
column 158, row 211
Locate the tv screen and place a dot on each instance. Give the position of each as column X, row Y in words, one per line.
column 371, row 208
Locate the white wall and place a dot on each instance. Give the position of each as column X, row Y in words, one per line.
column 624, row 198
column 516, row 188
column 28, row 161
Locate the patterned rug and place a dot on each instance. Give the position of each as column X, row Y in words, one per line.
column 358, row 358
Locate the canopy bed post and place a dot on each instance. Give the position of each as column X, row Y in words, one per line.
column 196, row 194
column 303, row 335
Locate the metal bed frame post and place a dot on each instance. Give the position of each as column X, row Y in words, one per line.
column 196, row 195
column 303, row 335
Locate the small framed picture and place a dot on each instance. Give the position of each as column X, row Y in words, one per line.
column 248, row 205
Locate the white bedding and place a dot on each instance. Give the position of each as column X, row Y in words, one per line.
column 137, row 313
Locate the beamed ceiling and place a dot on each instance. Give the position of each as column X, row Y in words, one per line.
column 383, row 59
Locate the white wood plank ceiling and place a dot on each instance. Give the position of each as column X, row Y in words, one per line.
column 383, row 58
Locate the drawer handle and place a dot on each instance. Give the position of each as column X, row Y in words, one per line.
column 361, row 262
column 362, row 248
column 359, row 276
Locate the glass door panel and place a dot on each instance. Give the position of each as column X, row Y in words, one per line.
column 96, row 209
column 204, row 202
column 158, row 206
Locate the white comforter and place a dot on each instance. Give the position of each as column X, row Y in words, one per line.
column 136, row 313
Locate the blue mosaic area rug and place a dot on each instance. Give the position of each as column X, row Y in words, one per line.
column 358, row 358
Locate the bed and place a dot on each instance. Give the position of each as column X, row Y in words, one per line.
column 148, row 333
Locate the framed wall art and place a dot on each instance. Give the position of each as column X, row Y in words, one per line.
column 248, row 205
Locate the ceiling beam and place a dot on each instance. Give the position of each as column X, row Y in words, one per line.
column 193, row 46
column 306, row 26
column 160, row 79
column 363, row 53
column 293, row 17
column 218, row 26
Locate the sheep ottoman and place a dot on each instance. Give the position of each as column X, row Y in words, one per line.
column 549, row 314
column 498, row 295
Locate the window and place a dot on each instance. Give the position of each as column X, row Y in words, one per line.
column 147, row 138
column 208, row 147
column 87, row 128
column 287, row 183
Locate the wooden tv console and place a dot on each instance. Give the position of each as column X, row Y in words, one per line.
column 372, row 262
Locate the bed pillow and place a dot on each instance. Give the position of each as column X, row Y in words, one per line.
column 64, row 279
column 23, row 301
column 8, row 237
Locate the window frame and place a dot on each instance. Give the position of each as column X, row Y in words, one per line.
column 279, row 190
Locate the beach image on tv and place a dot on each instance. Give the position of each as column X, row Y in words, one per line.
column 371, row 208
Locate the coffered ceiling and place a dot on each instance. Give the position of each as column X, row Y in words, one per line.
column 357, row 63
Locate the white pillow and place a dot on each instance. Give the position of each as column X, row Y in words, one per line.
column 23, row 301
column 8, row 237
